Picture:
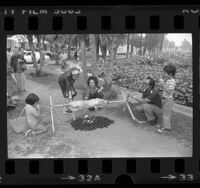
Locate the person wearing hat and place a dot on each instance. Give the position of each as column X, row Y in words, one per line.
column 66, row 82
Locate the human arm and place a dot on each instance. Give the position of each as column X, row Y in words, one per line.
column 31, row 112
column 38, row 108
column 140, row 100
column 86, row 94
column 69, row 87
column 168, row 87
column 100, row 90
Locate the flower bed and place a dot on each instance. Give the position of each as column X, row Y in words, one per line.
column 130, row 73
column 91, row 123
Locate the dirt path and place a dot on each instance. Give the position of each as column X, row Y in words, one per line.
column 121, row 139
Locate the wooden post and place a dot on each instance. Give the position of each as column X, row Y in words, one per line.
column 52, row 119
column 73, row 116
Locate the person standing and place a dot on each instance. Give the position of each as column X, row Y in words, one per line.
column 168, row 84
column 18, row 67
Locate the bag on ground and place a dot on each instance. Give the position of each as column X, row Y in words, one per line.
column 19, row 125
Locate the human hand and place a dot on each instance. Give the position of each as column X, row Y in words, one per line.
column 161, row 82
column 37, row 106
column 99, row 90
column 133, row 96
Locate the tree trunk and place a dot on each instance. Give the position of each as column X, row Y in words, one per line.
column 111, row 50
column 83, row 59
column 93, row 53
column 31, row 45
column 34, row 59
column 107, row 86
column 161, row 42
column 57, row 55
column 128, row 43
column 42, row 57
column 104, row 51
column 140, row 51
column 114, row 53
column 109, row 66
column 69, row 51
column 132, row 51
column 97, row 46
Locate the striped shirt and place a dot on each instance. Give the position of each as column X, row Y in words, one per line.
column 169, row 88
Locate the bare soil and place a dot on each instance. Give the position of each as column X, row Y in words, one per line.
column 123, row 138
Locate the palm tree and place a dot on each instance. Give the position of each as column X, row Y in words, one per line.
column 31, row 45
column 141, row 43
column 40, row 43
column 97, row 42
column 128, row 43
column 111, row 43
column 93, row 52
column 82, row 40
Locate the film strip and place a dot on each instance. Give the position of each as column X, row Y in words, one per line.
column 101, row 169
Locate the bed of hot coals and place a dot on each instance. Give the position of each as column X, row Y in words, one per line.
column 91, row 123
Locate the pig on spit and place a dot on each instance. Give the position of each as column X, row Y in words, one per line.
column 81, row 105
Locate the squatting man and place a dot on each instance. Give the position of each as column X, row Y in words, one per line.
column 150, row 102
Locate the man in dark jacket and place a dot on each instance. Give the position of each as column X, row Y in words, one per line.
column 151, row 103
column 66, row 81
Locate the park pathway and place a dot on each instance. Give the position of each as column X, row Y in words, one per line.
column 121, row 139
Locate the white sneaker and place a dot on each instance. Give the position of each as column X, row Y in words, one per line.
column 27, row 132
column 66, row 111
column 158, row 126
column 163, row 130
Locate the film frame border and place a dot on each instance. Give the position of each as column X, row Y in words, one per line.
column 139, row 20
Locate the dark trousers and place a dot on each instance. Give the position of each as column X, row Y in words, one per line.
column 151, row 111
column 63, row 88
column 94, row 96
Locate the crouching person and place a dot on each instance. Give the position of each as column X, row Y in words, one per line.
column 35, row 122
column 66, row 82
column 151, row 103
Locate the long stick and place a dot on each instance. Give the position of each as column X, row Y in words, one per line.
column 52, row 120
column 59, row 105
column 73, row 116
column 121, row 101
column 129, row 108
column 123, row 95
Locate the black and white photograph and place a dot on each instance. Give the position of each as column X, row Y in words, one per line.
column 99, row 95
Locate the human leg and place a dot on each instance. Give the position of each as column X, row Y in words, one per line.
column 167, row 109
column 149, row 112
column 22, row 81
column 139, row 108
column 17, row 76
column 158, row 115
column 62, row 87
